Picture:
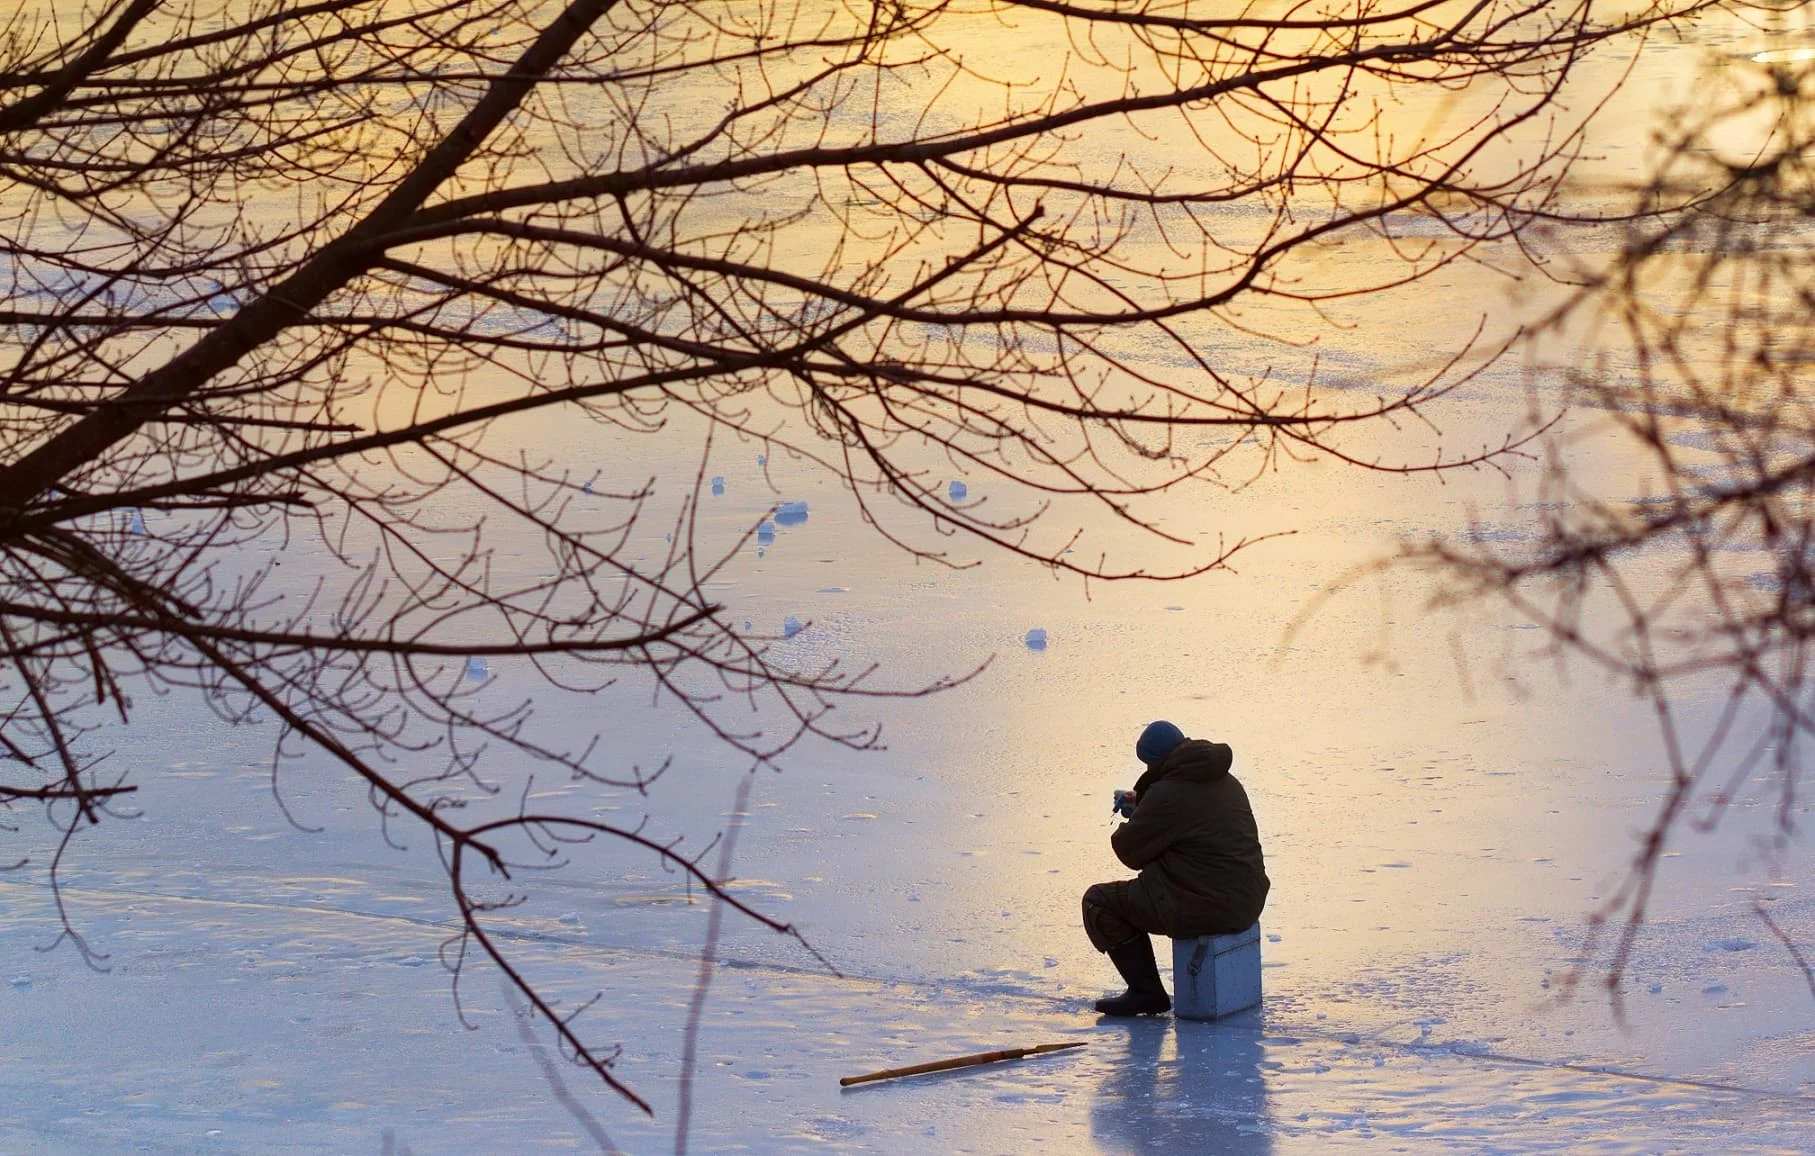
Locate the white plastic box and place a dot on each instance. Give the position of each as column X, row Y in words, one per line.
column 1216, row 975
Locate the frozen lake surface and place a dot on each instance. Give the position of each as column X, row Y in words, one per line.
column 1439, row 814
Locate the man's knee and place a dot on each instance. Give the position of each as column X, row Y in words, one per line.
column 1105, row 901
column 1106, row 918
column 1099, row 895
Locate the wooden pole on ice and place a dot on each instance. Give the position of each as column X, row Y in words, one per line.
column 959, row 1062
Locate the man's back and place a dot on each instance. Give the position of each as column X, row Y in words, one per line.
column 1195, row 842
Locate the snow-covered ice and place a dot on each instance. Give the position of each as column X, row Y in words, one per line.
column 271, row 987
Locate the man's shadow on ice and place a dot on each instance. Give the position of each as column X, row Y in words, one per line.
column 1184, row 1086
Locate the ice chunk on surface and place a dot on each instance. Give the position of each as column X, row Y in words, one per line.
column 1036, row 639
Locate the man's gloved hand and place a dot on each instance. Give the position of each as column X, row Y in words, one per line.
column 1124, row 804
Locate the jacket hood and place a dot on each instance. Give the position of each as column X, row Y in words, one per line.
column 1192, row 761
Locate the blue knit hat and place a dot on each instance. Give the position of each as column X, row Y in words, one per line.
column 1157, row 741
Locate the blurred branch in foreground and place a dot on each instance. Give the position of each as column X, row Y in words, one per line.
column 1699, row 588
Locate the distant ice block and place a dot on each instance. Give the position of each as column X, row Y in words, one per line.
column 1216, row 975
column 957, row 491
column 475, row 668
column 790, row 626
column 765, row 533
column 718, row 486
column 762, row 459
column 790, row 513
column 1036, row 639
column 587, row 488
column 136, row 524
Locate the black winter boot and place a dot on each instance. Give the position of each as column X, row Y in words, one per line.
column 1146, row 995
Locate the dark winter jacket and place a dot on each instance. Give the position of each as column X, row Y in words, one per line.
column 1194, row 841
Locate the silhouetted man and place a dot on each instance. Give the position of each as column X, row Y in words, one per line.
column 1191, row 835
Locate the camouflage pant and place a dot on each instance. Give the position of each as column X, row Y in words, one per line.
column 1109, row 918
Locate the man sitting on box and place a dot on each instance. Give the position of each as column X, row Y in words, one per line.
column 1191, row 835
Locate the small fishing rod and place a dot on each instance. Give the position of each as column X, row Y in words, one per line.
column 959, row 1062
